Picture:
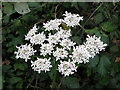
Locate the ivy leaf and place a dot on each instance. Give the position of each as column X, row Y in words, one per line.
column 22, row 8
column 109, row 26
column 103, row 65
column 71, row 82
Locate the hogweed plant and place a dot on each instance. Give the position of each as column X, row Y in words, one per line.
column 56, row 46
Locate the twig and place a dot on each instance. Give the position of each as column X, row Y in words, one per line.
column 82, row 27
column 36, row 81
column 114, row 8
column 60, row 83
column 93, row 13
column 56, row 11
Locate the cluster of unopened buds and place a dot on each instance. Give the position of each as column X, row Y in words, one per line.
column 54, row 45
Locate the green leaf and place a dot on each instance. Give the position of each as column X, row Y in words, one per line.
column 34, row 4
column 103, row 65
column 14, row 80
column 6, row 19
column 109, row 26
column 98, row 18
column 75, row 4
column 105, row 38
column 8, row 9
column 15, row 41
column 83, row 5
column 114, row 48
column 76, row 39
column 71, row 82
column 19, row 84
column 22, row 7
column 92, row 31
column 93, row 61
column 6, row 68
column 20, row 66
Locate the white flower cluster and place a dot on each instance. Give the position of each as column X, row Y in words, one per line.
column 24, row 52
column 41, row 65
column 67, row 67
column 58, row 45
column 72, row 19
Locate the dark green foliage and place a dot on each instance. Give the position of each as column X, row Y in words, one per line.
column 103, row 71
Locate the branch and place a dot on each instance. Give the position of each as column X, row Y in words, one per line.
column 93, row 13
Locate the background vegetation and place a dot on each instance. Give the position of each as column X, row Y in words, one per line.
column 101, row 19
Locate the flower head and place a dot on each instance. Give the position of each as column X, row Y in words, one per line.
column 63, row 34
column 24, row 52
column 94, row 45
column 31, row 33
column 67, row 43
column 41, row 65
column 72, row 19
column 46, row 49
column 67, row 67
column 38, row 38
column 52, row 24
column 80, row 54
column 60, row 53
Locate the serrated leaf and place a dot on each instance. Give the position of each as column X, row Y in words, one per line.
column 109, row 26
column 92, row 31
column 93, row 61
column 71, row 82
column 22, row 7
column 103, row 65
column 98, row 18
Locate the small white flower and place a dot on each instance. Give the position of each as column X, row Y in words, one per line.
column 41, row 65
column 63, row 34
column 60, row 53
column 66, row 68
column 38, row 38
column 72, row 19
column 94, row 45
column 52, row 24
column 67, row 43
column 53, row 39
column 46, row 49
column 24, row 52
column 31, row 33
column 80, row 54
